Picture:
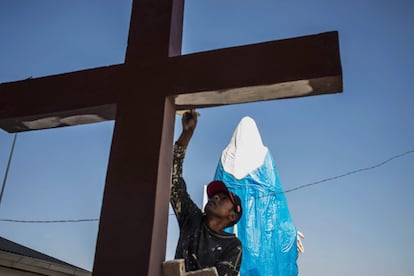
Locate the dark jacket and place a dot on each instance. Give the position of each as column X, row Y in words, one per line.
column 198, row 245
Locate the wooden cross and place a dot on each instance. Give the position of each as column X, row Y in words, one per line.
column 142, row 96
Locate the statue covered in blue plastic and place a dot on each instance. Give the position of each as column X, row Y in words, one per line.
column 266, row 230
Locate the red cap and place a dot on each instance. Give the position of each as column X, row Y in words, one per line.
column 218, row 186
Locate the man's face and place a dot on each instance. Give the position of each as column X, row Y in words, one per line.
column 219, row 205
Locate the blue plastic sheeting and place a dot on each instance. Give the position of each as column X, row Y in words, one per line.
column 266, row 230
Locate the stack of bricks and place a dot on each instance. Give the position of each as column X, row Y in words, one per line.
column 177, row 268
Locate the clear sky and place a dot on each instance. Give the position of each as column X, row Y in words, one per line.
column 361, row 224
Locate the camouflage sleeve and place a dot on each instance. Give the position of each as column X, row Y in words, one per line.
column 179, row 198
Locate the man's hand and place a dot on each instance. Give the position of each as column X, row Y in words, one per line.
column 189, row 122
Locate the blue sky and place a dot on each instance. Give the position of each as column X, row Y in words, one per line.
column 360, row 224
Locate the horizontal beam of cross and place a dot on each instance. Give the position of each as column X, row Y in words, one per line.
column 303, row 66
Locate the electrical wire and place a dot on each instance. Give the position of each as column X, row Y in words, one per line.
column 286, row 191
column 8, row 167
column 351, row 172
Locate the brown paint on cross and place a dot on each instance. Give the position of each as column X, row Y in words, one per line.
column 154, row 82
